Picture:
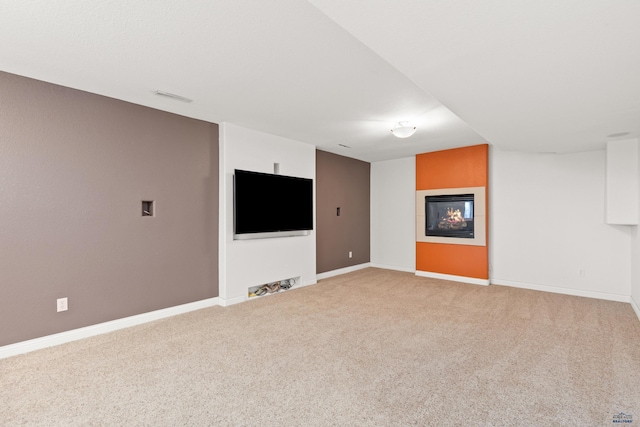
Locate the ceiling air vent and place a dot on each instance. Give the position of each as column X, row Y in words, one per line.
column 172, row 96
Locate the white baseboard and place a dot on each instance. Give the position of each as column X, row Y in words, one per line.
column 102, row 328
column 231, row 301
column 340, row 271
column 565, row 291
column 635, row 307
column 394, row 267
column 463, row 279
column 313, row 281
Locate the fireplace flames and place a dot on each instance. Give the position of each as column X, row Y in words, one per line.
column 453, row 220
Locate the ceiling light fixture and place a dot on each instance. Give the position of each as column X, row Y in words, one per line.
column 403, row 129
column 172, row 96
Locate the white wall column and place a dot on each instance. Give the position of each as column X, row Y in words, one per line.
column 393, row 244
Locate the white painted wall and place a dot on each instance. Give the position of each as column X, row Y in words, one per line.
column 393, row 243
column 622, row 182
column 547, row 223
column 635, row 269
column 635, row 264
column 246, row 263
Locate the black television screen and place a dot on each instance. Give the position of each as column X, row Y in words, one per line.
column 267, row 205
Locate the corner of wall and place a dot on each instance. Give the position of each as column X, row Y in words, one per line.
column 635, row 307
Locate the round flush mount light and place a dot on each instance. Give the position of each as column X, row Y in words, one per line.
column 403, row 129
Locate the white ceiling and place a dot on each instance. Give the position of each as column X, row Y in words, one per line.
column 543, row 76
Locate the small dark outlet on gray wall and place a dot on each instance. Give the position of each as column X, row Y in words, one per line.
column 337, row 211
column 147, row 208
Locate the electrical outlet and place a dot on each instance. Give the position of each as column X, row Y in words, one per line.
column 62, row 304
column 350, row 254
column 581, row 272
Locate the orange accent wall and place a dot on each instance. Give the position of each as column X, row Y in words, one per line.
column 459, row 167
column 457, row 260
column 456, row 168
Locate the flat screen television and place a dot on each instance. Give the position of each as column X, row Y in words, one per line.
column 267, row 205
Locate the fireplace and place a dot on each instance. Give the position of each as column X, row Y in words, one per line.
column 450, row 216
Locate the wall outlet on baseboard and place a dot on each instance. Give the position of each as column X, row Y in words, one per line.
column 62, row 304
column 350, row 254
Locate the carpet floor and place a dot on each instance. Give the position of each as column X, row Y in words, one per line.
column 369, row 348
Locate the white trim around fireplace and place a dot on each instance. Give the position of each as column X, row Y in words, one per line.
column 479, row 216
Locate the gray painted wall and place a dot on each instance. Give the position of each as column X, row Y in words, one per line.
column 345, row 183
column 74, row 168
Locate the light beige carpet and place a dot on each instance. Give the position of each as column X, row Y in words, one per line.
column 370, row 348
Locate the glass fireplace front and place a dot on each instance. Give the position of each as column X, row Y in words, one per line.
column 449, row 216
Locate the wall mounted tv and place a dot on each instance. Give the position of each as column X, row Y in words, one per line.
column 267, row 205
